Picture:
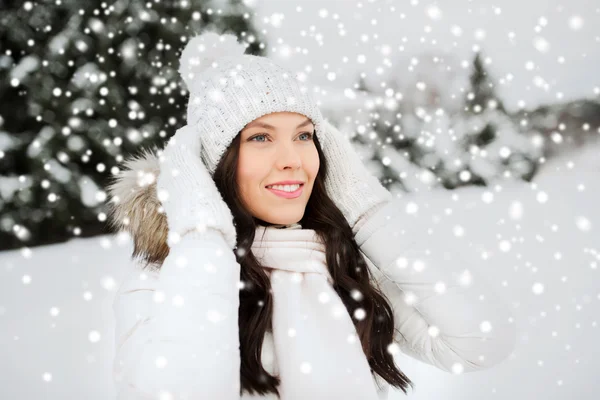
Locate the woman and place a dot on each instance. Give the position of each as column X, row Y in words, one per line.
column 278, row 292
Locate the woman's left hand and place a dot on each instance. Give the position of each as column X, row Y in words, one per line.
column 353, row 189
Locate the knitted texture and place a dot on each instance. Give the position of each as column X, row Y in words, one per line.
column 188, row 193
column 353, row 189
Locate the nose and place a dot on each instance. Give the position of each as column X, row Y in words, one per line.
column 288, row 157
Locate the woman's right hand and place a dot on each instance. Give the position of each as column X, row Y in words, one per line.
column 187, row 192
column 185, row 346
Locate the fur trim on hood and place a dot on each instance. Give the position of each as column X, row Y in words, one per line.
column 134, row 207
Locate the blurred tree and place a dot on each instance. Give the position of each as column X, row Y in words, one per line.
column 82, row 84
column 496, row 147
column 411, row 133
column 424, row 132
column 482, row 89
column 361, row 85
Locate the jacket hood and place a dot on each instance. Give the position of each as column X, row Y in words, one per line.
column 134, row 207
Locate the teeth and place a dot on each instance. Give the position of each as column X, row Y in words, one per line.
column 285, row 188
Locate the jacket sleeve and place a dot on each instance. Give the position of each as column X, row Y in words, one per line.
column 445, row 313
column 177, row 328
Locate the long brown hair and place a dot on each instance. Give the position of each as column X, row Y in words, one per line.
column 346, row 266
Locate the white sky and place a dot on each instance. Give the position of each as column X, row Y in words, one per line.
column 543, row 32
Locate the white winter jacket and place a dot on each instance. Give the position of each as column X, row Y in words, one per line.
column 177, row 329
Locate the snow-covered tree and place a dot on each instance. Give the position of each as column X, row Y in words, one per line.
column 497, row 149
column 442, row 124
column 83, row 83
column 410, row 127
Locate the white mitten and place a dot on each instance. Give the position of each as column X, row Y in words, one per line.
column 354, row 190
column 188, row 193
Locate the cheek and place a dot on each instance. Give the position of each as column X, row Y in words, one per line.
column 254, row 168
column 312, row 164
column 250, row 173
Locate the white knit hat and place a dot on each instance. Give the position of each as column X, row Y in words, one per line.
column 228, row 89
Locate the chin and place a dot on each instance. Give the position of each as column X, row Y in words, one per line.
column 283, row 220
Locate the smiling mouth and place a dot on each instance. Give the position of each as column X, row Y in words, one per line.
column 288, row 195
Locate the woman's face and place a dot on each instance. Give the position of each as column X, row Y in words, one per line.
column 273, row 148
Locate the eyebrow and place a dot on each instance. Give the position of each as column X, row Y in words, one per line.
column 267, row 126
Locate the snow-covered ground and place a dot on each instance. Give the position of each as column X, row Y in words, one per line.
column 539, row 246
column 543, row 255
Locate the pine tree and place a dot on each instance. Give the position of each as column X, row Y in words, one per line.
column 482, row 94
column 83, row 84
column 412, row 119
column 361, row 85
column 423, row 134
column 495, row 146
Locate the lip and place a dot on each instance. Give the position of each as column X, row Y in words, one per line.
column 286, row 183
column 287, row 195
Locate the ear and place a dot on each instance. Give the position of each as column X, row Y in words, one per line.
column 134, row 207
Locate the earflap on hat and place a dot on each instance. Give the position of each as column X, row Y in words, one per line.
column 203, row 52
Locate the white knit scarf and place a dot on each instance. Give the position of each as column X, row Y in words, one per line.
column 316, row 345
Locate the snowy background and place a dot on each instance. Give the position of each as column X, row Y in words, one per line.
column 530, row 222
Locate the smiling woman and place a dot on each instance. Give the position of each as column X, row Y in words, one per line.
column 285, row 157
column 255, row 311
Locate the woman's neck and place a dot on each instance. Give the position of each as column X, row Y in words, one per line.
column 294, row 225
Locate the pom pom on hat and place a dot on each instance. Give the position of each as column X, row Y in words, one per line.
column 203, row 50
